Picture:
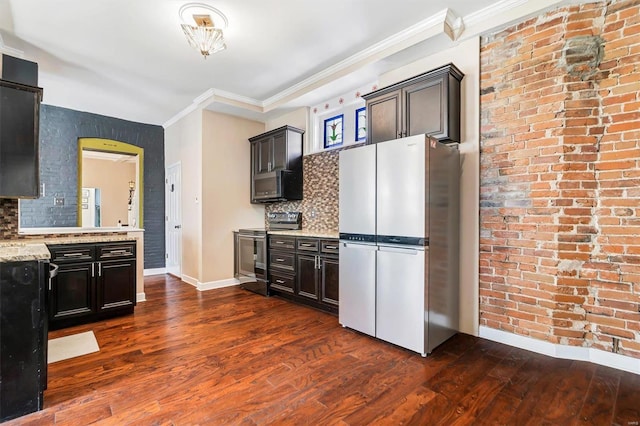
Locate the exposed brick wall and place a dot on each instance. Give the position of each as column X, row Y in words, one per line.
column 560, row 177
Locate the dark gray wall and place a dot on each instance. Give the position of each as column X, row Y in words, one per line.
column 60, row 129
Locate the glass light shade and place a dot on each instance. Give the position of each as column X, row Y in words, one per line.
column 207, row 40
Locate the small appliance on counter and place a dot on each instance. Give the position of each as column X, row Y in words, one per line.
column 250, row 250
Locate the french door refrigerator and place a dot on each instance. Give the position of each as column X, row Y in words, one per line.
column 399, row 235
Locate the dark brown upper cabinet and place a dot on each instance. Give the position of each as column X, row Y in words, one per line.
column 279, row 149
column 427, row 103
column 19, row 140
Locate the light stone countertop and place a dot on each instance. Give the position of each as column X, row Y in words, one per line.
column 20, row 252
column 306, row 233
column 36, row 249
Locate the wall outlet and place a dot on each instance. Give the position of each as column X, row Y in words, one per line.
column 58, row 201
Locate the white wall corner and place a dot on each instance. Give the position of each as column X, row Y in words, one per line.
column 578, row 353
column 189, row 280
column 211, row 285
column 141, row 297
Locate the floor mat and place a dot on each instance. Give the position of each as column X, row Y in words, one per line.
column 72, row 346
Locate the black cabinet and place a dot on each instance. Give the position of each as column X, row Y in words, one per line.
column 23, row 337
column 94, row 281
column 428, row 103
column 19, row 134
column 307, row 276
column 305, row 270
column 276, row 165
column 279, row 149
column 282, row 265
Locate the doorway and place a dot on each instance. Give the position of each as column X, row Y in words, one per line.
column 173, row 220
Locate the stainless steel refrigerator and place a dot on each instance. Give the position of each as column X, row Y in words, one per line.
column 399, row 221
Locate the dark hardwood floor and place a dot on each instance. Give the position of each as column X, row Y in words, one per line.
column 232, row 357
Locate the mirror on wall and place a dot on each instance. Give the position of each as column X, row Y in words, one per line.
column 104, row 189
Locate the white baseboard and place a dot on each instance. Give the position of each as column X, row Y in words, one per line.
column 578, row 353
column 141, row 297
column 155, row 271
column 189, row 280
column 210, row 285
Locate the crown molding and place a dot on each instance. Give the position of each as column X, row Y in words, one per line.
column 444, row 22
column 10, row 50
column 421, row 31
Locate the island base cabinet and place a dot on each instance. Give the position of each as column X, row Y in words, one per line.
column 116, row 285
column 94, row 281
column 71, row 294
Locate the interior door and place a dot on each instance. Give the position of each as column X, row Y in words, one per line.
column 173, row 232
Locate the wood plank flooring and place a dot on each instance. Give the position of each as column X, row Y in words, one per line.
column 230, row 357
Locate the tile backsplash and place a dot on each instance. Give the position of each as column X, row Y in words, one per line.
column 8, row 219
column 320, row 185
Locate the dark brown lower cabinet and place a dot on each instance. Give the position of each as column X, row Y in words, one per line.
column 307, row 276
column 313, row 278
column 94, row 281
column 72, row 292
column 329, row 273
column 116, row 285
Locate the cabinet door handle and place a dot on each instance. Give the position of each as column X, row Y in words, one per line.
column 99, row 269
column 319, row 263
column 93, row 274
column 119, row 252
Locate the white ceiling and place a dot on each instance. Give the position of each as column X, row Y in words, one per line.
column 129, row 58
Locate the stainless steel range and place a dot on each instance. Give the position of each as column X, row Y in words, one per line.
column 250, row 254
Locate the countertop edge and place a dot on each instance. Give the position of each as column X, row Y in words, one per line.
column 305, row 233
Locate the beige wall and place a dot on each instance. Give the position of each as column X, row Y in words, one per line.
column 226, row 190
column 466, row 56
column 113, row 180
column 296, row 118
column 183, row 143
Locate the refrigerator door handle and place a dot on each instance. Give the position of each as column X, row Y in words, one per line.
column 370, row 247
column 407, row 250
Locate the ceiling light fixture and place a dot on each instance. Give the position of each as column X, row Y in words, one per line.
column 199, row 22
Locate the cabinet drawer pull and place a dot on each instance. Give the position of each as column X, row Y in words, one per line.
column 306, row 244
column 73, row 254
column 280, row 281
column 120, row 252
column 279, row 259
column 331, row 247
column 279, row 242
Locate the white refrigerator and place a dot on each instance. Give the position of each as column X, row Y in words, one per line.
column 398, row 215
